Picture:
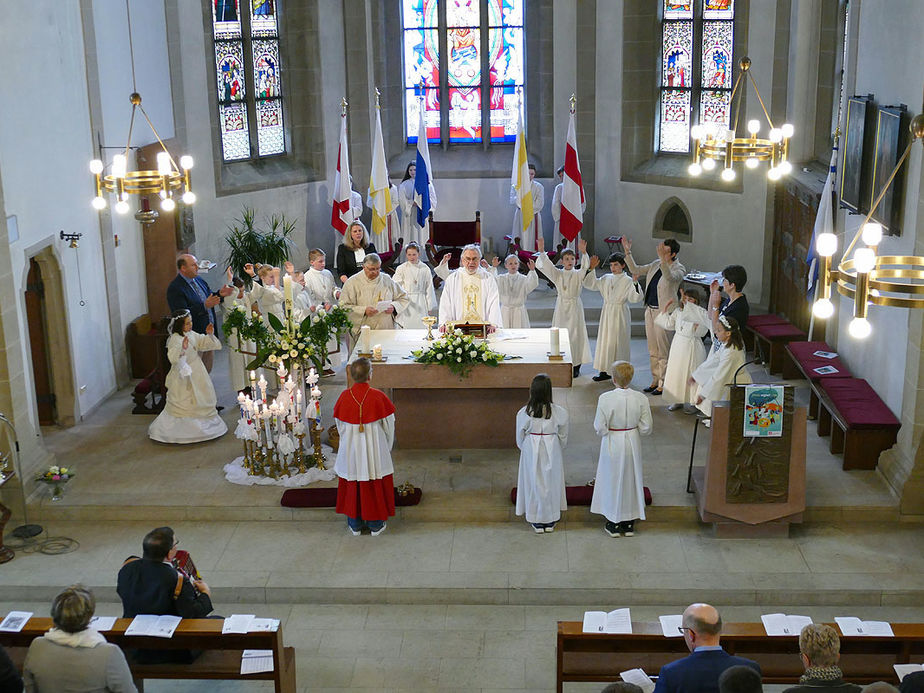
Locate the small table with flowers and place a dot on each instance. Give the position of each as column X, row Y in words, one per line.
column 436, row 409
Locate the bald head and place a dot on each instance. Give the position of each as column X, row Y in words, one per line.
column 703, row 624
column 187, row 265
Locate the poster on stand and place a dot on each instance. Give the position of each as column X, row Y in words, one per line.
column 763, row 411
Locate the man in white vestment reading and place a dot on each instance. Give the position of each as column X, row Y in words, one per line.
column 372, row 298
column 470, row 293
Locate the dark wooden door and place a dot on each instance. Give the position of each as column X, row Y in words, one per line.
column 35, row 317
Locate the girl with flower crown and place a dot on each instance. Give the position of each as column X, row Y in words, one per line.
column 718, row 370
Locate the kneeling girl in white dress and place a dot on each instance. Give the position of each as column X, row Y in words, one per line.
column 542, row 431
column 718, row 370
column 189, row 415
column 416, row 279
column 512, row 289
column 623, row 415
column 690, row 324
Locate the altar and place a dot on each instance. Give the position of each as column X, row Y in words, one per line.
column 437, row 409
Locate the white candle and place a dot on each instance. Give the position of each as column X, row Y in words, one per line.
column 298, row 403
column 253, row 384
column 365, row 339
column 554, row 344
column 262, row 385
column 377, row 352
column 287, row 289
column 266, row 427
column 240, row 402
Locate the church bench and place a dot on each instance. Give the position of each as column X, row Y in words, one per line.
column 802, row 362
column 755, row 320
column 220, row 658
column 860, row 424
column 600, row 657
column 774, row 336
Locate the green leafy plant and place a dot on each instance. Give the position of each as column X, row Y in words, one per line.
column 460, row 353
column 269, row 245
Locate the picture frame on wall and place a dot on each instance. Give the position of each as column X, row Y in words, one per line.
column 891, row 140
column 858, row 147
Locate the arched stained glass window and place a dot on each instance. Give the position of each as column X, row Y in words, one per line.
column 464, row 62
column 248, row 75
column 697, row 41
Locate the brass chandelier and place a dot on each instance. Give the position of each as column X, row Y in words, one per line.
column 865, row 276
column 713, row 143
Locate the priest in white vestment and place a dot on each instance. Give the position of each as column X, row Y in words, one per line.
column 470, row 293
column 372, row 298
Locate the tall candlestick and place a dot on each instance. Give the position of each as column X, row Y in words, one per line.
column 554, row 344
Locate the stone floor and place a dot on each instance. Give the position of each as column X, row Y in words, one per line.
column 458, row 594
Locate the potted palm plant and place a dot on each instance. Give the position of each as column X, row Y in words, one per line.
column 269, row 245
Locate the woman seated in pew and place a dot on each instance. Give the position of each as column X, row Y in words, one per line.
column 72, row 656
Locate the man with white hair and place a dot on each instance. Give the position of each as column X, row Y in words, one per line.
column 470, row 293
column 372, row 298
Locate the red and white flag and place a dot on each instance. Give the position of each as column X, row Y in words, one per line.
column 572, row 194
column 341, row 211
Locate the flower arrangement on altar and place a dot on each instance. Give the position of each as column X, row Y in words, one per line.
column 56, row 477
column 459, row 352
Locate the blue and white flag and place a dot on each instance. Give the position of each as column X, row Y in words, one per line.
column 423, row 176
column 824, row 222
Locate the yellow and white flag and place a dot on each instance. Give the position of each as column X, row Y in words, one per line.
column 519, row 178
column 379, row 187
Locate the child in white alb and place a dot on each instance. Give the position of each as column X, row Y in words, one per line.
column 416, row 279
column 690, row 324
column 512, row 290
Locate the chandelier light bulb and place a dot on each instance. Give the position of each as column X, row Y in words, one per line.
column 826, row 244
column 859, row 328
column 753, row 126
column 774, row 173
column 163, row 163
column 864, row 260
column 694, row 169
column 186, row 162
column 728, row 174
column 708, row 164
column 823, row 308
column 785, row 167
column 872, row 233
column 776, row 135
column 168, row 205
column 189, row 197
column 751, row 162
column 119, row 165
column 96, row 167
column 696, row 132
column 121, row 207
column 99, row 202
column 787, row 130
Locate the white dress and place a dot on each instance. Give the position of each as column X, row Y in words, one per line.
column 417, row 281
column 541, row 479
column 716, row 373
column 189, row 415
column 451, row 304
column 618, row 489
column 512, row 290
column 269, row 299
column 410, row 229
column 237, row 362
column 569, row 308
column 687, row 352
column 614, row 335
column 528, row 235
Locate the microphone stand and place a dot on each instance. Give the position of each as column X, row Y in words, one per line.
column 24, row 531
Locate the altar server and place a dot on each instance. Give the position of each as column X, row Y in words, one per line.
column 718, row 370
column 237, row 362
column 533, row 232
column 189, row 415
column 266, row 292
column 365, row 419
column 557, row 236
column 320, row 289
column 416, row 279
column 542, row 432
column 622, row 416
column 372, row 298
column 512, row 289
column 410, row 229
column 689, row 323
column 618, row 289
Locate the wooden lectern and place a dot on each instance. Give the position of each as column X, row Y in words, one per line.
column 752, row 487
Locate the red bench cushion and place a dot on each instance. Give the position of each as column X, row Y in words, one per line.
column 766, row 319
column 781, row 332
column 858, row 403
column 804, row 354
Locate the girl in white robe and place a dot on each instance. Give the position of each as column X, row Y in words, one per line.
column 410, row 229
column 512, row 289
column 189, row 415
column 237, row 362
column 689, row 324
column 622, row 416
column 542, row 432
column 715, row 374
column 268, row 296
column 569, row 308
column 614, row 335
column 417, row 280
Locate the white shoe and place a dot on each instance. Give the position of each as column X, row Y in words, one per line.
column 379, row 531
column 674, row 407
column 354, row 532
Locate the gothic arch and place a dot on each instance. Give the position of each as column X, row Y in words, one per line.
column 673, row 220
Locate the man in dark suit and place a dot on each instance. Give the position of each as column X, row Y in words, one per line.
column 189, row 291
column 700, row 671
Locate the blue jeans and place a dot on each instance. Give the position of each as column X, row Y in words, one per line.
column 356, row 524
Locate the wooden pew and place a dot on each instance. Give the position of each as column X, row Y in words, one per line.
column 600, row 657
column 220, row 658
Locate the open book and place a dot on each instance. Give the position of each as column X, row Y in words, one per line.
column 851, row 625
column 904, row 669
column 781, row 624
column 154, row 626
column 616, row 621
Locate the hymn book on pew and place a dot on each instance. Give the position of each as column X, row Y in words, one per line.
column 248, row 623
column 670, row 625
column 782, row 624
column 102, row 624
column 256, row 661
column 15, row 621
column 851, row 625
column 639, row 678
column 616, row 621
column 904, row 669
column 153, row 625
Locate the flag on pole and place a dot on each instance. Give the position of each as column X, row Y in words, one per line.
column 341, row 211
column 824, row 222
column 572, row 193
column 424, row 174
column 519, row 177
column 379, row 187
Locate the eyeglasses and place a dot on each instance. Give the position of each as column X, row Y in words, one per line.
column 683, row 628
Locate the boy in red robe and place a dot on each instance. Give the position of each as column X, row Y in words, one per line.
column 365, row 418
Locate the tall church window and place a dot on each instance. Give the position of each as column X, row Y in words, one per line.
column 697, row 41
column 464, row 61
column 248, row 72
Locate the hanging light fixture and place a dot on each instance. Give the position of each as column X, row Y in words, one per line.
column 865, row 276
column 165, row 181
column 713, row 143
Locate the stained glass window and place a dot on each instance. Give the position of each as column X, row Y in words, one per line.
column 697, row 41
column 474, row 74
column 248, row 77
